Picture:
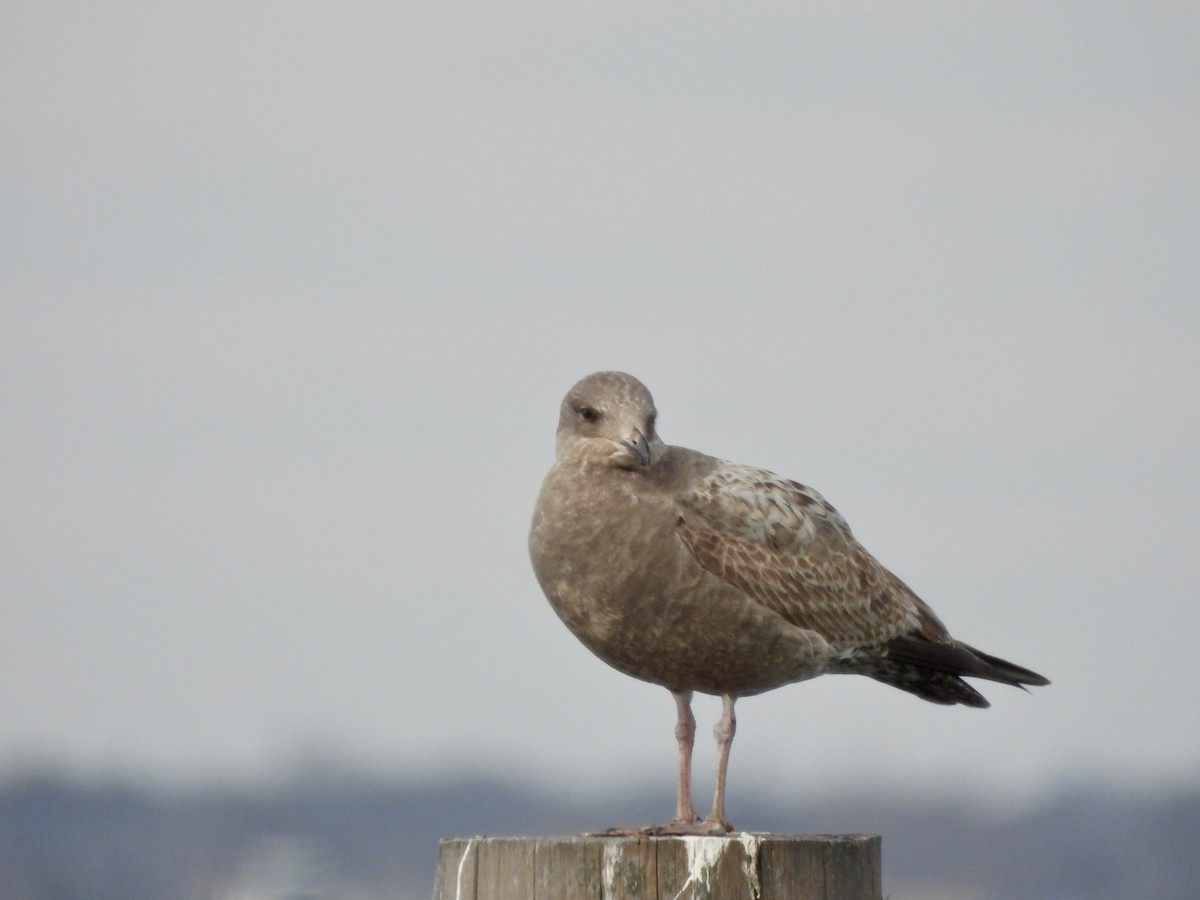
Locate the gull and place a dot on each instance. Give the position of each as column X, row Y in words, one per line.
column 698, row 574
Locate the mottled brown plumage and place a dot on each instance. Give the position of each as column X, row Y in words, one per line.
column 701, row 575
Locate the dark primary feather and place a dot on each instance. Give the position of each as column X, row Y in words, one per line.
column 932, row 670
column 960, row 659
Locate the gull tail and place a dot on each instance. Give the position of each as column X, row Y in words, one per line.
column 934, row 670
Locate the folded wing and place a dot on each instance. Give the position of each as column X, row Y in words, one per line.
column 782, row 544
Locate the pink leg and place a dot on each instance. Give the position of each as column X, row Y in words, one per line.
column 685, row 735
column 723, row 732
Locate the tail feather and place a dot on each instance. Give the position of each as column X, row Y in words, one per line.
column 934, row 670
column 928, row 684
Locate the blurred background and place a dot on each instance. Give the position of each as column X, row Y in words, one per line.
column 290, row 295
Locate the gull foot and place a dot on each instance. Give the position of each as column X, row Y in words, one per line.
column 707, row 828
column 620, row 832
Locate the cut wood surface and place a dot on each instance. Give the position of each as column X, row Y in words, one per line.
column 738, row 867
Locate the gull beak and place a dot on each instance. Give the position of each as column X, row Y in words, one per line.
column 639, row 446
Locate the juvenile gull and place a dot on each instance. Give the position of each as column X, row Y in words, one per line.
column 701, row 575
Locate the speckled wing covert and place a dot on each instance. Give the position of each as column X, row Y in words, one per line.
column 783, row 544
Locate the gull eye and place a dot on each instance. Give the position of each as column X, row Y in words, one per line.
column 588, row 413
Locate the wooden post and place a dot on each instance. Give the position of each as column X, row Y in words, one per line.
column 737, row 867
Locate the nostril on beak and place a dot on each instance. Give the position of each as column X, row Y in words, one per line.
column 640, row 447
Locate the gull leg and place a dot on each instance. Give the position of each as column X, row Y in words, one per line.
column 686, row 821
column 723, row 732
column 685, row 735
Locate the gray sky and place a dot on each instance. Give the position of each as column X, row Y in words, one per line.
column 291, row 293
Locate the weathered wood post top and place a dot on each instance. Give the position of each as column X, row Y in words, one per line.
column 738, row 867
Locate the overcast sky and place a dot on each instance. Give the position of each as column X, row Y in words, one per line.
column 291, row 293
